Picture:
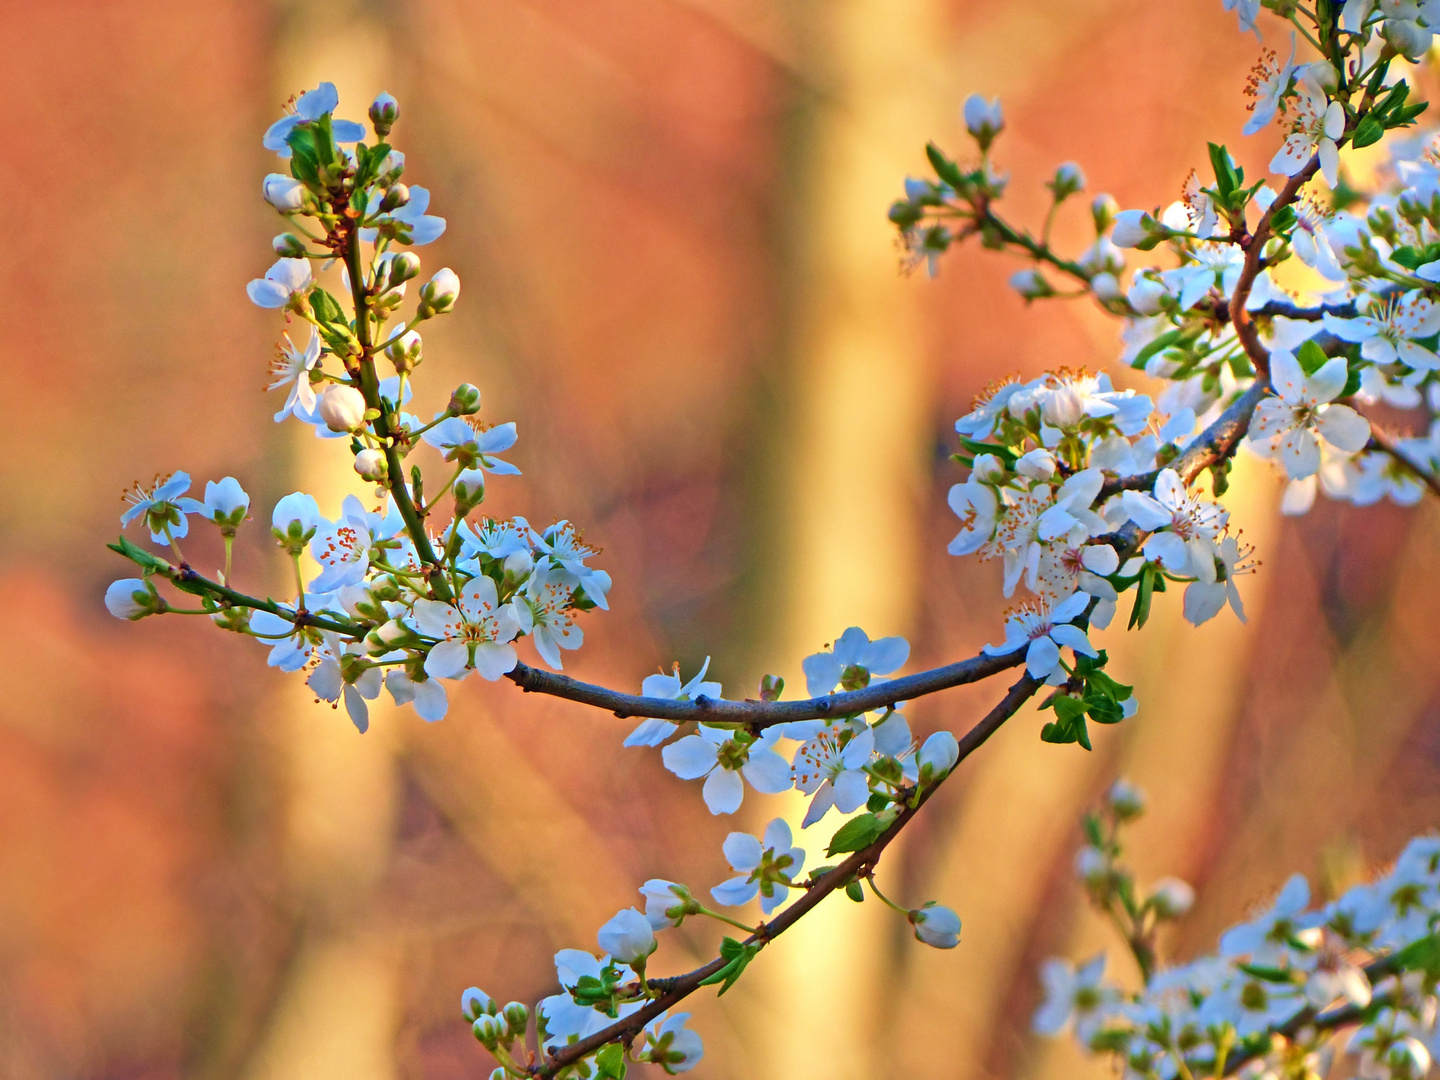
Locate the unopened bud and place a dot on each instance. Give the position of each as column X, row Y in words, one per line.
column 438, row 295
column 288, row 246
column 518, row 564
column 1172, row 898
column 475, row 1003
column 516, row 1016
column 396, row 196
column 489, row 1030
column 1091, row 866
column 771, row 687
column 384, row 111
column 1031, row 284
column 133, row 598
column 370, row 463
column 983, row 119
column 1147, row 294
column 938, row 755
column 284, row 193
column 403, row 267
column 1068, row 180
column 1126, row 800
column 1105, row 286
column 469, row 491
column 404, row 351
column 465, row 400
column 1134, row 227
column 342, row 408
column 1103, row 209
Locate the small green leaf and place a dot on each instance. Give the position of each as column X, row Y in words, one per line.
column 139, row 556
column 855, row 891
column 858, row 832
column 610, row 1062
column 1422, row 955
column 944, row 168
column 1312, row 358
column 1368, row 132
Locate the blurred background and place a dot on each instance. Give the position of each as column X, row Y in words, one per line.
column 669, row 217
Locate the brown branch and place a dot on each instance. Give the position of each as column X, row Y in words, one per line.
column 676, row 989
column 1254, row 245
column 763, row 714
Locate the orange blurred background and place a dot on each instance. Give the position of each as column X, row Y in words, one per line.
column 669, row 217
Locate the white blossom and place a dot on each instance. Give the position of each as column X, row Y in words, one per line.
column 475, row 633
column 287, row 278
column 1041, row 629
column 654, row 731
column 854, row 659
column 722, row 760
column 1304, row 413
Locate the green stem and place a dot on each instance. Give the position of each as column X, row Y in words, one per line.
column 726, row 919
column 370, row 387
column 299, row 578
column 870, row 878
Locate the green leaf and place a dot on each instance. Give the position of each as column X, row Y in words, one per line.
column 139, row 556
column 876, row 802
column 1422, row 955
column 944, row 168
column 1004, row 453
column 1368, row 132
column 858, row 832
column 738, row 957
column 1164, row 341
column 1225, row 179
column 1103, row 710
column 855, row 891
column 1091, row 824
column 610, row 1062
column 1268, row 974
column 327, row 308
column 1312, row 357
column 1141, row 611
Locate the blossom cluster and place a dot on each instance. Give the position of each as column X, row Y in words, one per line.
column 402, row 598
column 1287, row 990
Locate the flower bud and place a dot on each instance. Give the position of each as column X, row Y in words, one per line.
column 403, row 267
column 1031, row 284
column 516, row 1016
column 489, row 1030
column 469, row 491
column 438, row 295
column 987, row 469
column 1038, row 464
column 288, row 246
column 1172, row 898
column 499, row 1073
column 1104, row 286
column 465, row 400
column 404, row 351
column 938, row 755
column 294, row 521
column 133, row 598
column 1102, row 211
column 1407, row 37
column 384, row 111
column 1068, row 180
column 518, row 564
column 342, row 408
column 1146, row 294
column 284, row 193
column 983, row 119
column 1133, row 228
column 370, row 463
column 1127, row 801
column 667, row 903
column 396, row 196
column 627, row 937
column 1091, row 866
column 936, row 926
column 475, row 1003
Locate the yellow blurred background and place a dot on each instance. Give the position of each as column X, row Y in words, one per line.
column 669, row 218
